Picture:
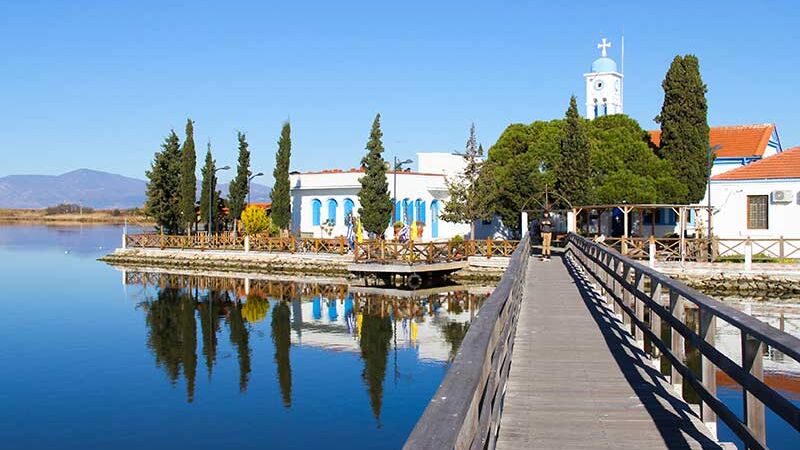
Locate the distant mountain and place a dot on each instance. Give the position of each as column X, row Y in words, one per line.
column 96, row 189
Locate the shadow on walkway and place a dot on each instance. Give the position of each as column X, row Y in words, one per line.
column 675, row 422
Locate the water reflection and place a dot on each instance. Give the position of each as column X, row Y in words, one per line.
column 334, row 317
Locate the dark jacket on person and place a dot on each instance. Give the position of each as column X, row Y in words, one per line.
column 546, row 225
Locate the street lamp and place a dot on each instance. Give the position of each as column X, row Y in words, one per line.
column 211, row 199
column 398, row 165
column 248, row 185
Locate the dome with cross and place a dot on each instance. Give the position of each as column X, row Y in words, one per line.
column 604, row 63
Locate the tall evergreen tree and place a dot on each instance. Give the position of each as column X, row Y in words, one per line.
column 281, row 203
column 163, row 200
column 572, row 171
column 376, row 204
column 684, row 125
column 209, row 187
column 466, row 204
column 188, row 190
column 376, row 338
column 240, row 185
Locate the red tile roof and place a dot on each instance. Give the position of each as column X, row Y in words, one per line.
column 783, row 165
column 740, row 141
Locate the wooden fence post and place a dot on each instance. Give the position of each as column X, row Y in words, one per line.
column 651, row 250
column 676, row 307
column 708, row 328
column 753, row 363
column 639, row 308
column 655, row 322
column 247, row 243
column 488, row 248
column 748, row 254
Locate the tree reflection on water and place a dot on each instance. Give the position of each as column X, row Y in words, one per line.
column 366, row 323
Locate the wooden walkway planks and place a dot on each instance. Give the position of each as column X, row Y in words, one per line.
column 578, row 381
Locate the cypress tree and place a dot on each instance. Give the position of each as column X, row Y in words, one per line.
column 376, row 204
column 209, row 187
column 281, row 203
column 163, row 188
column 188, row 190
column 572, row 171
column 684, row 125
column 240, row 185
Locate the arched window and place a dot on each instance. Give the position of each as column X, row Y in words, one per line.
column 332, row 205
column 398, row 211
column 604, row 108
column 419, row 205
column 348, row 209
column 435, row 219
column 596, row 111
column 316, row 207
column 408, row 207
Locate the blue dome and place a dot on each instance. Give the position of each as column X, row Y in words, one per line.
column 604, row 65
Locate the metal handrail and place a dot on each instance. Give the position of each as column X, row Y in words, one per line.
column 623, row 280
column 465, row 411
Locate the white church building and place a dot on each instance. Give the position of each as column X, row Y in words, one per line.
column 322, row 200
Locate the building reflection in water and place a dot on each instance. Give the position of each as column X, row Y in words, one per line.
column 369, row 322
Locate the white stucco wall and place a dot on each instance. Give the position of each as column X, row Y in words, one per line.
column 340, row 186
column 730, row 203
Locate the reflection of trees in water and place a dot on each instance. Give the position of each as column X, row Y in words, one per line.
column 281, row 329
column 211, row 313
column 171, row 318
column 454, row 333
column 172, row 335
column 376, row 336
column 240, row 338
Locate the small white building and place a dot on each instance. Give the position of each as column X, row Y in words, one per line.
column 322, row 200
column 759, row 200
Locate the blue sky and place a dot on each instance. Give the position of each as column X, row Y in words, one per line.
column 98, row 85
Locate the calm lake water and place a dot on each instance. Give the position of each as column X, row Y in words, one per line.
column 95, row 357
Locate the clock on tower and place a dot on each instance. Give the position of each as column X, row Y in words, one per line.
column 603, row 85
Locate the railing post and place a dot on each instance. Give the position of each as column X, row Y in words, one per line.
column 748, row 254
column 626, row 296
column 676, row 308
column 651, row 250
column 488, row 248
column 753, row 363
column 780, row 248
column 639, row 333
column 655, row 322
column 708, row 328
column 247, row 243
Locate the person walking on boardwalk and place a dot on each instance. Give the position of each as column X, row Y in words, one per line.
column 546, row 229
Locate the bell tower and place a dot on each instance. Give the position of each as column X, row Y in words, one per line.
column 603, row 85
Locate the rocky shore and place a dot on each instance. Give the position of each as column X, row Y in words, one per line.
column 718, row 280
column 479, row 269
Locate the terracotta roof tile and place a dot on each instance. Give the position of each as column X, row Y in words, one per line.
column 740, row 141
column 783, row 165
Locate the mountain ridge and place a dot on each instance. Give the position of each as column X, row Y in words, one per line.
column 89, row 187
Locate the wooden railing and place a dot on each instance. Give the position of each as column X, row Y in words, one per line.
column 649, row 301
column 703, row 249
column 367, row 251
column 465, row 411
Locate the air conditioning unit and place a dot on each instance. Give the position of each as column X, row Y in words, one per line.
column 781, row 196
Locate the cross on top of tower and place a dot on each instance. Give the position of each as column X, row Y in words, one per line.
column 603, row 46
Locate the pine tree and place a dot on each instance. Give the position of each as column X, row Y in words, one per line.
column 572, row 171
column 376, row 204
column 465, row 204
column 240, row 185
column 163, row 188
column 188, row 187
column 684, row 125
column 281, row 203
column 209, row 187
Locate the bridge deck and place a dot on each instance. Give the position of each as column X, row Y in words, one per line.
column 578, row 381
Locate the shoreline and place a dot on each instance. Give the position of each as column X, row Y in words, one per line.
column 312, row 264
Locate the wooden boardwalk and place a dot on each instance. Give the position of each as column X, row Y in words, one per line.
column 577, row 379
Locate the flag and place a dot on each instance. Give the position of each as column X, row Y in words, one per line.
column 413, row 231
column 359, row 231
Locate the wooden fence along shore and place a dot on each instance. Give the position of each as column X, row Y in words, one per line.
column 704, row 249
column 374, row 251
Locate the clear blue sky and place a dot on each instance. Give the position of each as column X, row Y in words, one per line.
column 98, row 85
